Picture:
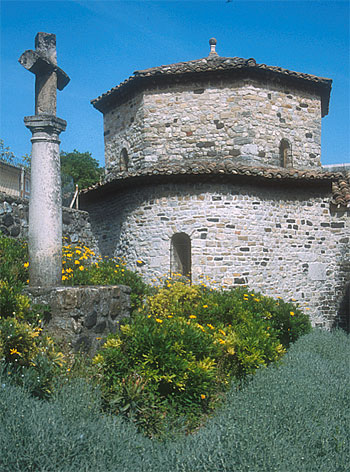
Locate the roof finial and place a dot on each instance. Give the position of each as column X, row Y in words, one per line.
column 212, row 42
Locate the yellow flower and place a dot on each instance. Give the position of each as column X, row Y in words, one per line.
column 292, row 313
column 210, row 326
column 76, row 262
column 202, row 396
column 221, row 341
column 193, row 317
column 64, row 277
column 112, row 343
column 26, row 264
column 257, row 299
column 81, row 268
column 14, row 351
column 158, row 320
column 97, row 359
column 222, row 332
column 205, row 306
column 78, row 252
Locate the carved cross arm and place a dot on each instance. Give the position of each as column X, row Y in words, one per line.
column 40, row 66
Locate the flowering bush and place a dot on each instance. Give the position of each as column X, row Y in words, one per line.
column 80, row 266
column 172, row 361
column 186, row 345
column 28, row 356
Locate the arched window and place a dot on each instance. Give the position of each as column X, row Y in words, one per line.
column 180, row 257
column 286, row 159
column 124, row 160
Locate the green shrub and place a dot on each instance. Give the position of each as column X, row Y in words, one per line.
column 231, row 307
column 13, row 261
column 183, row 350
column 29, row 357
column 17, row 341
column 68, row 433
column 160, row 365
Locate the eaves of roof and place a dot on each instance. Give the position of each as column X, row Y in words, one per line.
column 169, row 171
column 211, row 67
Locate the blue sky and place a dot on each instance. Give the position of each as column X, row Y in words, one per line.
column 100, row 44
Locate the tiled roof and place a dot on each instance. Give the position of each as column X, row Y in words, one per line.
column 213, row 64
column 341, row 191
column 341, row 184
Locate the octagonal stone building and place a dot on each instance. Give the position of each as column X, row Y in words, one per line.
column 213, row 169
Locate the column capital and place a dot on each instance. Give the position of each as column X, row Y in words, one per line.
column 47, row 123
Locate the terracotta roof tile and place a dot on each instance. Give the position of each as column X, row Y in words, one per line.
column 341, row 191
column 212, row 63
column 340, row 181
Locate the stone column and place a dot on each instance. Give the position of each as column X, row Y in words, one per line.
column 45, row 204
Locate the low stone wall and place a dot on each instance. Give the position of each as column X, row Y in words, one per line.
column 83, row 316
column 14, row 222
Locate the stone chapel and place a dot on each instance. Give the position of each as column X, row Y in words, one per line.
column 213, row 169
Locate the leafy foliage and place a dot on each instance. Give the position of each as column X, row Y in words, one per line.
column 82, row 167
column 25, row 353
column 13, row 256
column 187, row 344
column 171, row 361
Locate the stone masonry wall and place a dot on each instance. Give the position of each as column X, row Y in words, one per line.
column 283, row 241
column 242, row 118
column 14, row 222
column 123, row 128
column 83, row 316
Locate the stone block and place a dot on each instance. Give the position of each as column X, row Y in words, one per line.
column 77, row 314
column 317, row 271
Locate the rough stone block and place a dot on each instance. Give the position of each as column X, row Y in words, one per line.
column 77, row 314
column 317, row 271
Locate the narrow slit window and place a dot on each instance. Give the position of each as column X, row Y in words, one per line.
column 124, row 160
column 285, row 154
column 180, row 260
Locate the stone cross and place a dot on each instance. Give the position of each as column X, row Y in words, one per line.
column 48, row 76
column 45, row 204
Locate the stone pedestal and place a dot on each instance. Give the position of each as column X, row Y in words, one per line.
column 83, row 316
column 45, row 207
